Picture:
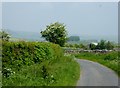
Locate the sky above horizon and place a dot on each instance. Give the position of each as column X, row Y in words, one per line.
column 83, row 18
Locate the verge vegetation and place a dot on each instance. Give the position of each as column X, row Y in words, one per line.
column 110, row 59
column 38, row 64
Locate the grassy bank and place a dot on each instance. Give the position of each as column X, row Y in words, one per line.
column 110, row 59
column 37, row 64
column 64, row 72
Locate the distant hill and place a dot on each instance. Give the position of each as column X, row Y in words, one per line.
column 74, row 38
column 30, row 36
column 33, row 36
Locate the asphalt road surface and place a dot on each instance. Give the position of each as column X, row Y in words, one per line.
column 94, row 74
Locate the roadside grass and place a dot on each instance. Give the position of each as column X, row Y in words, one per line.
column 0, row 79
column 111, row 59
column 62, row 72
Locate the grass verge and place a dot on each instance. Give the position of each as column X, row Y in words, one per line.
column 110, row 59
column 62, row 72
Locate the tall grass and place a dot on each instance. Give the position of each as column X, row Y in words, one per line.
column 64, row 72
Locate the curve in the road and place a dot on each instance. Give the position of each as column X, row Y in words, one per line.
column 94, row 74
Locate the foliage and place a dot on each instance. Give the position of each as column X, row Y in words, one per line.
column 45, row 65
column 75, row 46
column 69, row 45
column 102, row 45
column 74, row 38
column 4, row 35
column 37, row 64
column 83, row 46
column 55, row 33
column 17, row 54
column 109, row 45
column 92, row 46
column 7, row 72
column 64, row 72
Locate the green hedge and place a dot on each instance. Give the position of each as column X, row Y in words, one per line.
column 18, row 54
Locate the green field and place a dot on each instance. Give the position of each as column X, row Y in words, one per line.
column 110, row 59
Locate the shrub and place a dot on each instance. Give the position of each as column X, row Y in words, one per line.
column 111, row 56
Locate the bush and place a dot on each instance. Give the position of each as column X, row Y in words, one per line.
column 111, row 56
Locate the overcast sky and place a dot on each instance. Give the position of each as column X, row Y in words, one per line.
column 83, row 18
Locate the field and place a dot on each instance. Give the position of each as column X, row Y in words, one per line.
column 110, row 59
column 37, row 64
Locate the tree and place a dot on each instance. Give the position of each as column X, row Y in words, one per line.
column 55, row 33
column 109, row 45
column 92, row 46
column 101, row 45
column 76, row 46
column 82, row 46
column 71, row 45
column 4, row 36
column 74, row 38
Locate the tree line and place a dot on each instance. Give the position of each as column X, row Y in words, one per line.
column 103, row 44
column 56, row 33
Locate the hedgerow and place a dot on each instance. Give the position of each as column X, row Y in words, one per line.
column 37, row 64
column 16, row 55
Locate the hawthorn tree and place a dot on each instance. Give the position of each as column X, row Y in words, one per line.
column 4, row 35
column 55, row 33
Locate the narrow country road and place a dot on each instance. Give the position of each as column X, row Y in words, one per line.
column 94, row 74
